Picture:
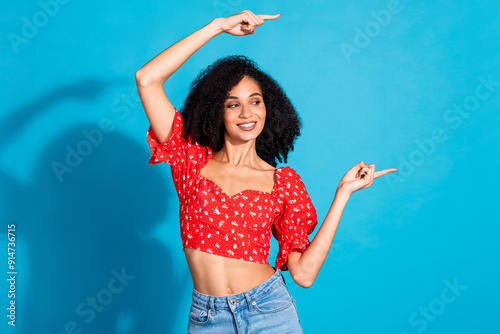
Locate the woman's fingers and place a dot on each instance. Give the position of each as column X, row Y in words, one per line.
column 361, row 171
column 366, row 173
column 260, row 21
column 370, row 174
column 361, row 167
column 361, row 176
column 384, row 171
column 356, row 168
column 268, row 17
column 244, row 22
column 376, row 174
column 247, row 28
column 249, row 22
column 255, row 20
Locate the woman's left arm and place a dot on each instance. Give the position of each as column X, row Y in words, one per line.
column 304, row 267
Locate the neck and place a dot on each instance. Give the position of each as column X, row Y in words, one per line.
column 238, row 153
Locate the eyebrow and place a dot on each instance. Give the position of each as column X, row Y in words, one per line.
column 235, row 97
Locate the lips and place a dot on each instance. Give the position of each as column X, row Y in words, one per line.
column 247, row 126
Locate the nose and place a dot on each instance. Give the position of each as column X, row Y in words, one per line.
column 245, row 111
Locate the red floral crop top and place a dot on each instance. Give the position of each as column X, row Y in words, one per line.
column 237, row 226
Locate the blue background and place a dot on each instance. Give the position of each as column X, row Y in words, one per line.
column 387, row 92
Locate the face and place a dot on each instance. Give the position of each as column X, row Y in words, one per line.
column 244, row 111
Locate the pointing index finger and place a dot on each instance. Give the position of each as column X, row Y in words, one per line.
column 384, row 171
column 269, row 17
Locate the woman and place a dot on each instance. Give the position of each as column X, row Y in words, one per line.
column 236, row 123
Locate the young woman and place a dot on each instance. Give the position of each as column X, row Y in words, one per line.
column 236, row 124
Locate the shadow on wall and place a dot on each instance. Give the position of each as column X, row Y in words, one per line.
column 87, row 89
column 91, row 263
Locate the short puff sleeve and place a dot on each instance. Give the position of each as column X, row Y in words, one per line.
column 298, row 220
column 184, row 157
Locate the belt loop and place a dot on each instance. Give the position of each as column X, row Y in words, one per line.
column 283, row 277
column 212, row 308
column 249, row 301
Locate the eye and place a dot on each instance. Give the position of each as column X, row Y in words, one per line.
column 232, row 105
column 256, row 102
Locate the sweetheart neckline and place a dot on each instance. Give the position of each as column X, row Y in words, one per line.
column 245, row 190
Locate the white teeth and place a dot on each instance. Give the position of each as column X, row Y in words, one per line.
column 248, row 125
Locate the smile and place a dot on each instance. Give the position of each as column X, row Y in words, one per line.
column 247, row 126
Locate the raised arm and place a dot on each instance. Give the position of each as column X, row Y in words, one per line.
column 151, row 77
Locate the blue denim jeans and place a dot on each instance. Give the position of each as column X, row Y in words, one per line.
column 267, row 308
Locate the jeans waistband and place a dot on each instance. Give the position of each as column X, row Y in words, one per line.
column 220, row 302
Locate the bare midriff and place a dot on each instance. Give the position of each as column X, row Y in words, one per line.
column 217, row 275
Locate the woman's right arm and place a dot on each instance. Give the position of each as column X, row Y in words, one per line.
column 152, row 75
column 150, row 78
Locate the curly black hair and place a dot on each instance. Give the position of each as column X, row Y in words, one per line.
column 203, row 110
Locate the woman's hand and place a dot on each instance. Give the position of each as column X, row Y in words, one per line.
column 360, row 176
column 243, row 23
